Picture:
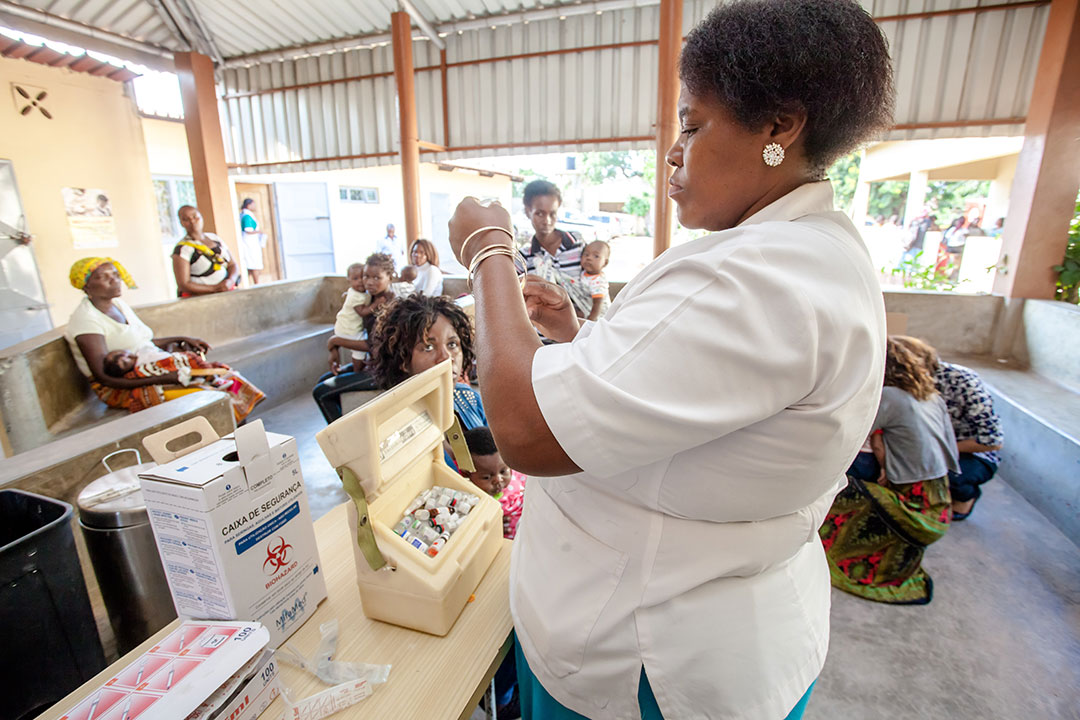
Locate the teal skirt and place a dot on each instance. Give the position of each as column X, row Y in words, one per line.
column 537, row 704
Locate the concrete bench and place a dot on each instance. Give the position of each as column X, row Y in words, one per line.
column 275, row 334
column 1036, row 393
column 62, row 468
column 1041, row 456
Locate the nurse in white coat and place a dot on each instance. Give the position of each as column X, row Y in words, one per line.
column 685, row 448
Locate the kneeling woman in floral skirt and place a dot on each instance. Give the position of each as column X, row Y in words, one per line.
column 876, row 532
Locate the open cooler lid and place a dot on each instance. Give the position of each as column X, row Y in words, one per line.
column 382, row 437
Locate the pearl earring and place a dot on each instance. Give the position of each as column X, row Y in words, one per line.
column 773, row 154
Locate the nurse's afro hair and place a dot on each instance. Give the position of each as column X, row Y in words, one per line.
column 480, row 441
column 758, row 58
column 403, row 325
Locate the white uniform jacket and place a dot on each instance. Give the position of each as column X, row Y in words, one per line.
column 713, row 411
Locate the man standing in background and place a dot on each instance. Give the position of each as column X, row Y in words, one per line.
column 391, row 246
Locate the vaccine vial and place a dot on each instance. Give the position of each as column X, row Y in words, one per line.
column 419, row 544
column 436, row 546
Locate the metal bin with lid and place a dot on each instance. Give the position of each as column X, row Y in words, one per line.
column 118, row 536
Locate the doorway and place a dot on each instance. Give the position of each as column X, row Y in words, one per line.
column 23, row 312
column 307, row 244
column 265, row 216
column 441, row 211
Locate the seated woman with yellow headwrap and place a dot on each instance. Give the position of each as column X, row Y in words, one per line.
column 103, row 323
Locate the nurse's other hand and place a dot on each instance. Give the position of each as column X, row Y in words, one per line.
column 471, row 215
column 550, row 309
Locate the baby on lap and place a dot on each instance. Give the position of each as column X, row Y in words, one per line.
column 194, row 372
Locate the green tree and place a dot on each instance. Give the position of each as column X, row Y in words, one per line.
column 597, row 167
column 1068, row 282
column 888, row 198
column 950, row 196
column 844, row 175
column 638, row 205
column 518, row 188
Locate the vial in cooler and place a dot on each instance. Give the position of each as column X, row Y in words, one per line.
column 438, row 544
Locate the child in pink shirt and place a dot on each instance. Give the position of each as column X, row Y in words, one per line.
column 495, row 478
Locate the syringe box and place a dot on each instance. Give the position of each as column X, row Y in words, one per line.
column 393, row 444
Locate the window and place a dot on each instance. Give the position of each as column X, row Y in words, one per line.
column 359, row 195
column 172, row 193
column 157, row 94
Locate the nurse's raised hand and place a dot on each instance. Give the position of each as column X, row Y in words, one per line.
column 469, row 217
column 550, row 309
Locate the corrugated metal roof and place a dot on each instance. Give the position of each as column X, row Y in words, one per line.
column 259, row 25
column 136, row 19
column 507, row 107
column 17, row 49
column 950, row 70
column 954, row 67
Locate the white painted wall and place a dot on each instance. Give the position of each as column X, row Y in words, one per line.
column 357, row 227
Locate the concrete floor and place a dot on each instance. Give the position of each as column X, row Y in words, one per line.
column 1001, row 638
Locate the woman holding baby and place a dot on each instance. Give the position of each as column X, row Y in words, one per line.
column 126, row 365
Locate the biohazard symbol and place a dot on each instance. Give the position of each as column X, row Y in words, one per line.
column 276, row 556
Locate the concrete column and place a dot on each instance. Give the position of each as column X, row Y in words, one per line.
column 1048, row 171
column 859, row 204
column 918, row 184
column 401, row 36
column 997, row 204
column 667, row 121
column 206, row 148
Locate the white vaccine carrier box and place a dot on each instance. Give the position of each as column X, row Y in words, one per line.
column 394, row 447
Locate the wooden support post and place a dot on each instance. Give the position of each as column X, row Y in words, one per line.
column 1043, row 194
column 667, row 121
column 401, row 34
column 206, row 147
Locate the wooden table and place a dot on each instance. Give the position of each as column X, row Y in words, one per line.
column 432, row 678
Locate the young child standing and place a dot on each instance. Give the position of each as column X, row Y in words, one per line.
column 594, row 259
column 378, row 283
column 377, row 279
column 349, row 322
column 494, row 477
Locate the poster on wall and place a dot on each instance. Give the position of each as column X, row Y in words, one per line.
column 90, row 218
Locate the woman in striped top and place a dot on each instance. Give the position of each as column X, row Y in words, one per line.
column 201, row 262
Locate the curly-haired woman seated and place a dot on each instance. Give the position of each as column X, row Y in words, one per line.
column 419, row 332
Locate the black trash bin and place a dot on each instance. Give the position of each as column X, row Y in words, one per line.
column 50, row 644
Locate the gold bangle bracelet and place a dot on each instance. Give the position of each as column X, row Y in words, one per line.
column 492, row 251
column 519, row 262
column 481, row 231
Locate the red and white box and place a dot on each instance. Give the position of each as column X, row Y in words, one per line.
column 171, row 679
column 234, row 532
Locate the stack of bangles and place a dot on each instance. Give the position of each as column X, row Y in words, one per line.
column 491, row 250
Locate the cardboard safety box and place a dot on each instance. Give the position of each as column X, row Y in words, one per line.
column 393, row 446
column 233, row 528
